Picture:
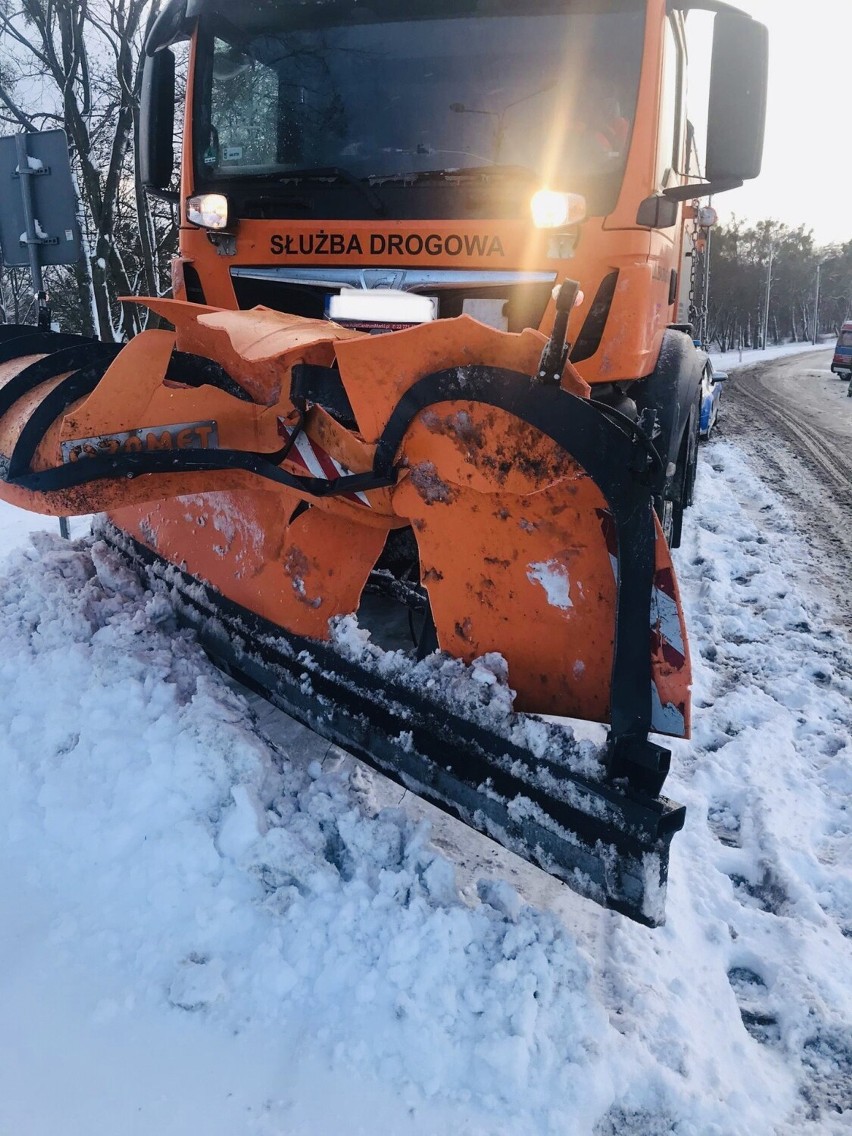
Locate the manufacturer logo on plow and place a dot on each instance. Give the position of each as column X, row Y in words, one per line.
column 146, row 439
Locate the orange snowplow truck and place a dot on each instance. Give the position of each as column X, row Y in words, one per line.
column 476, row 154
column 425, row 363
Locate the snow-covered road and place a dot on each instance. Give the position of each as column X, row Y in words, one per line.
column 198, row 936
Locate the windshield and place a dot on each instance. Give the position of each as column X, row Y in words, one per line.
column 544, row 97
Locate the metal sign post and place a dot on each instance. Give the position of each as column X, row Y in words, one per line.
column 38, row 207
column 38, row 214
column 25, row 176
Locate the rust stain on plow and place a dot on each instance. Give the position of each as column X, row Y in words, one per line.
column 464, row 629
column 433, row 490
column 460, row 426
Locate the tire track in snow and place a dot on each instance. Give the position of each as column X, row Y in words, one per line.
column 794, row 424
column 828, row 458
column 774, row 734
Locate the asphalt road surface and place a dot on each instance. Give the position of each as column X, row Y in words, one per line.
column 793, row 420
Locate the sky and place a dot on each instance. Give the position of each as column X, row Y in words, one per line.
column 806, row 158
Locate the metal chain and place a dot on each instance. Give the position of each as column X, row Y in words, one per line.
column 692, row 234
column 699, row 234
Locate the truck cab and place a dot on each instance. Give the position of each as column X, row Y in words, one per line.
column 476, row 154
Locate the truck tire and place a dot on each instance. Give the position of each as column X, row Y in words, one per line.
column 680, row 488
column 672, row 393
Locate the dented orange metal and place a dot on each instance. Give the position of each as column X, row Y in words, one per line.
column 513, row 535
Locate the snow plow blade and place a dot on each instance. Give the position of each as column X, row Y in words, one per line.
column 275, row 460
column 546, row 802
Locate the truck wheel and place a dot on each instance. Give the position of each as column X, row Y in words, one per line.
column 692, row 439
column 680, row 490
column 679, row 505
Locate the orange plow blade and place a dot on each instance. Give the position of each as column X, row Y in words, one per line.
column 274, row 458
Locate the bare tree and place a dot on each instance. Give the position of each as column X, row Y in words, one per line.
column 78, row 64
column 739, row 277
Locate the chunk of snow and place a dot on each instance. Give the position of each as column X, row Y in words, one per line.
column 198, row 983
column 553, row 577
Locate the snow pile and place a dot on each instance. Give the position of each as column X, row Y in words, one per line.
column 144, row 802
column 198, row 935
column 478, row 692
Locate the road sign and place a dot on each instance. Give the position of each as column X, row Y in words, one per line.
column 38, row 211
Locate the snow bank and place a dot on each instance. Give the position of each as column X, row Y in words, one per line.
column 197, row 934
column 727, row 360
column 223, row 882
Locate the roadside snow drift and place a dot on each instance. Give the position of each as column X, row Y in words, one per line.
column 199, row 935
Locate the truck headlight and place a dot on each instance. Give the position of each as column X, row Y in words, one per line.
column 210, row 210
column 553, row 210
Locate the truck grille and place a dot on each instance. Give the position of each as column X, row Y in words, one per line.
column 509, row 300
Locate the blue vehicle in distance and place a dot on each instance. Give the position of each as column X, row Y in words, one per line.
column 711, row 393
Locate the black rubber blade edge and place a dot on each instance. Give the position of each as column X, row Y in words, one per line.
column 605, row 840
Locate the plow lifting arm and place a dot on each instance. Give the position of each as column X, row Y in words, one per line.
column 556, row 350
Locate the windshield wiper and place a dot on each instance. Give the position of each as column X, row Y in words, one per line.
column 336, row 173
column 464, row 173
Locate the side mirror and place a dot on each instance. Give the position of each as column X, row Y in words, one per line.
column 154, row 146
column 737, row 110
column 720, row 377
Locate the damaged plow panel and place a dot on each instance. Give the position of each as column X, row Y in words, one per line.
column 270, row 457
